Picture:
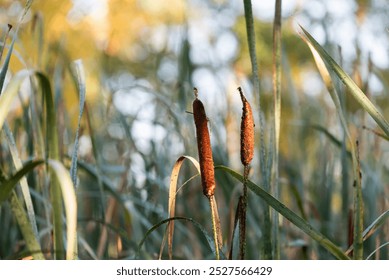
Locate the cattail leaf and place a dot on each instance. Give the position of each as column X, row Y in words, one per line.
column 198, row 225
column 355, row 91
column 79, row 75
column 108, row 186
column 289, row 214
column 371, row 229
column 10, row 92
column 70, row 202
column 7, row 186
column 377, row 249
column 52, row 152
column 4, row 68
column 238, row 215
column 32, row 243
column 23, row 181
column 358, row 202
column 379, row 134
column 7, row 191
column 4, row 39
column 172, row 198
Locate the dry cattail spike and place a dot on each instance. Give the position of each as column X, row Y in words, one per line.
column 204, row 147
column 246, row 132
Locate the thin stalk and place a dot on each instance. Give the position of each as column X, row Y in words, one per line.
column 262, row 159
column 247, row 147
column 215, row 225
column 358, row 207
column 277, row 117
column 243, row 215
column 236, row 219
column 253, row 58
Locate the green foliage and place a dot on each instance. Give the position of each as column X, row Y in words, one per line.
column 84, row 173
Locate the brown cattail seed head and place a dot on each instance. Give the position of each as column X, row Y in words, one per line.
column 246, row 132
column 204, row 148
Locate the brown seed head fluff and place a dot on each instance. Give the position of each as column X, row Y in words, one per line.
column 204, row 148
column 246, row 132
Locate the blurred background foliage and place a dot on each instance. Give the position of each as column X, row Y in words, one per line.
column 142, row 59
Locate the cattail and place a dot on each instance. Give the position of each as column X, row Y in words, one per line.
column 246, row 132
column 204, row 148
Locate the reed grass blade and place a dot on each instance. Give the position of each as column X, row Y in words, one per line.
column 8, row 186
column 79, row 76
column 172, row 199
column 5, row 66
column 23, row 181
column 52, row 153
column 356, row 92
column 358, row 202
column 209, row 239
column 277, row 117
column 289, row 214
column 70, row 203
column 264, row 164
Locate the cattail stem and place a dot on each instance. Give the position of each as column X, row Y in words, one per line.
column 246, row 156
column 215, row 225
column 243, row 218
column 207, row 167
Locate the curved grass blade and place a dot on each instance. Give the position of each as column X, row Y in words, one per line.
column 330, row 136
column 172, row 198
column 3, row 47
column 238, row 214
column 32, row 243
column 355, row 91
column 371, row 229
column 4, row 69
column 79, row 75
column 379, row 248
column 290, row 215
column 358, row 202
column 70, row 202
column 379, row 134
column 10, row 92
column 7, row 191
column 52, row 153
column 206, row 235
column 7, row 186
column 97, row 156
column 23, row 181
column 107, row 184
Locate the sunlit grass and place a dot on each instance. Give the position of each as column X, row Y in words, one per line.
column 90, row 180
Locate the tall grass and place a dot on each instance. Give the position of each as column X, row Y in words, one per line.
column 81, row 178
